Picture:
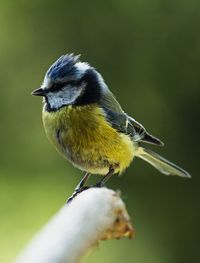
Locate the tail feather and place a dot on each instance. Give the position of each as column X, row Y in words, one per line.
column 160, row 163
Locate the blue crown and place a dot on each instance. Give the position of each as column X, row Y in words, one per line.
column 63, row 67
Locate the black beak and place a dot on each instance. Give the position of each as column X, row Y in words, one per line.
column 38, row 92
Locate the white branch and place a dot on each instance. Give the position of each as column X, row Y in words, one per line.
column 95, row 214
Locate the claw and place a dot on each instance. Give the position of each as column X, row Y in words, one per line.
column 78, row 191
column 99, row 185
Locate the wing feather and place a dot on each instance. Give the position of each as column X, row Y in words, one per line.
column 124, row 123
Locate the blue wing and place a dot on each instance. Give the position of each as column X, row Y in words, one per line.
column 126, row 124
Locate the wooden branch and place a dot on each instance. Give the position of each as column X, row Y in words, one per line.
column 95, row 214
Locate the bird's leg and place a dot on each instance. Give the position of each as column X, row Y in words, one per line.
column 105, row 178
column 82, row 182
column 80, row 187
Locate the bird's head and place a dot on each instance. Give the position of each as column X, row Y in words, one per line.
column 70, row 82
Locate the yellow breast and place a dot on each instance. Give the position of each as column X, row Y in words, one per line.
column 82, row 135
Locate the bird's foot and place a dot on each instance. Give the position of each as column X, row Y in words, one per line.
column 76, row 192
column 99, row 184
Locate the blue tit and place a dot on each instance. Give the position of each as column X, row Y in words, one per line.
column 88, row 127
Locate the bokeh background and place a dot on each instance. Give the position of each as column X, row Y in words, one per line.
column 149, row 55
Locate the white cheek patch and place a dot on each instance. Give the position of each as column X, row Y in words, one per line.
column 55, row 99
column 65, row 96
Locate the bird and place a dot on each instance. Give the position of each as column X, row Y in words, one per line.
column 84, row 121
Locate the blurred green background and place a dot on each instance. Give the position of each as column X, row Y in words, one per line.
column 149, row 55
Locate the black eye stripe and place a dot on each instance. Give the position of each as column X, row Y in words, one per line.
column 59, row 85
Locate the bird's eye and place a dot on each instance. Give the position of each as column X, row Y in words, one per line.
column 58, row 86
